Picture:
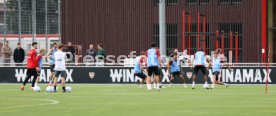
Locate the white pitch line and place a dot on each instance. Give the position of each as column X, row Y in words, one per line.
column 51, row 102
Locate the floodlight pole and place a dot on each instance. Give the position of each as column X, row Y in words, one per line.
column 33, row 20
column 162, row 27
column 19, row 21
column 5, row 22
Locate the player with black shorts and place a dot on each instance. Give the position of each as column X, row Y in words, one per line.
column 199, row 64
column 139, row 67
column 31, row 66
column 216, row 70
column 174, row 69
column 153, row 61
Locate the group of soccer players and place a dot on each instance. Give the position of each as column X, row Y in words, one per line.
column 148, row 65
column 56, row 58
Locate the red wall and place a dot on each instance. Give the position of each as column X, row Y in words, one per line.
column 127, row 25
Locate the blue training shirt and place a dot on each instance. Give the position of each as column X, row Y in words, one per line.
column 152, row 57
column 216, row 65
column 199, row 59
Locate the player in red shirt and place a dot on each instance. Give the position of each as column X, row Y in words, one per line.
column 31, row 66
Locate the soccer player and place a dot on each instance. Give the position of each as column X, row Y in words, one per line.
column 31, row 66
column 199, row 64
column 60, row 69
column 174, row 69
column 139, row 67
column 153, row 61
column 216, row 70
column 52, row 63
column 39, row 64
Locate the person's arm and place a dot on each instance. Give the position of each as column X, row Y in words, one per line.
column 34, row 58
column 14, row 55
column 169, row 68
column 104, row 53
column 23, row 55
column 87, row 52
column 10, row 51
column 159, row 57
column 4, row 51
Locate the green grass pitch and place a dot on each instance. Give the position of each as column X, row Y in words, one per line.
column 129, row 100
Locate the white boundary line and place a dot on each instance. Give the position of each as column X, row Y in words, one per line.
column 51, row 102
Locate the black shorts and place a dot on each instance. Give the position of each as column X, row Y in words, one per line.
column 52, row 67
column 160, row 72
column 31, row 72
column 153, row 70
column 216, row 73
column 174, row 74
column 202, row 68
column 141, row 75
column 60, row 73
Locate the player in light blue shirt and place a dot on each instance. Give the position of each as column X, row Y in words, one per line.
column 174, row 69
column 216, row 67
column 199, row 64
column 139, row 69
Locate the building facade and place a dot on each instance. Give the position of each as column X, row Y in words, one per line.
column 132, row 25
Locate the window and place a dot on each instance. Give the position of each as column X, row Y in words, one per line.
column 227, row 28
column 229, row 2
column 168, row 2
column 172, row 36
column 197, row 2
column 203, row 37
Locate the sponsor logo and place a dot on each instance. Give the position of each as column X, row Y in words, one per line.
column 21, row 74
column 233, row 76
column 91, row 75
column 127, row 76
column 244, row 75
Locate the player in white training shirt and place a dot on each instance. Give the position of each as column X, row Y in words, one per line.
column 60, row 69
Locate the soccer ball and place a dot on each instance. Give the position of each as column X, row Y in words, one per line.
column 68, row 89
column 37, row 89
column 49, row 89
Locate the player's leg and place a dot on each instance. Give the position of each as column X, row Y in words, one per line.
column 183, row 79
column 171, row 80
column 57, row 73
column 157, row 78
column 52, row 76
column 214, row 80
column 204, row 72
column 218, row 82
column 38, row 78
column 34, row 73
column 26, row 79
column 63, row 83
column 150, row 73
column 160, row 77
column 195, row 76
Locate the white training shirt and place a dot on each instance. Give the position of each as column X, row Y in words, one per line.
column 185, row 59
column 60, row 61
